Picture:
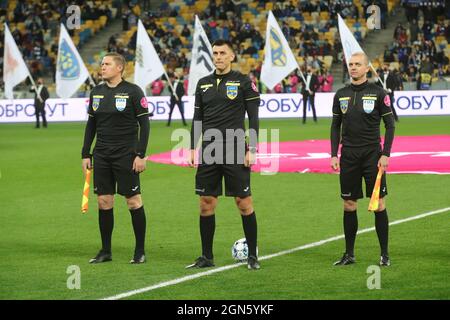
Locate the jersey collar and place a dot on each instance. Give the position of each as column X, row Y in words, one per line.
column 359, row 87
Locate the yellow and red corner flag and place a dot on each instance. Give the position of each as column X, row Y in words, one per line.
column 375, row 199
column 85, row 199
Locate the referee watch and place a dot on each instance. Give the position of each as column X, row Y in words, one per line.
column 140, row 155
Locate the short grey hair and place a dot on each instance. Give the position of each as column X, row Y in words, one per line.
column 360, row 53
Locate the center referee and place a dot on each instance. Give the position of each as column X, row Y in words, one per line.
column 221, row 101
column 118, row 110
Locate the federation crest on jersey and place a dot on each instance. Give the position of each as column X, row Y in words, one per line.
column 121, row 103
column 95, row 103
column 277, row 51
column 232, row 91
column 368, row 105
column 343, row 103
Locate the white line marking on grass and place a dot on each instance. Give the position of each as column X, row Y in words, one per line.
column 270, row 256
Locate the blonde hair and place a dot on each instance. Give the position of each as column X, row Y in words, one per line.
column 118, row 59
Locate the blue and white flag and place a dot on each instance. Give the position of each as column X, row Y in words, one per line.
column 279, row 61
column 71, row 72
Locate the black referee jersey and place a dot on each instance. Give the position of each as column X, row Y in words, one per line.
column 221, row 102
column 114, row 114
column 359, row 110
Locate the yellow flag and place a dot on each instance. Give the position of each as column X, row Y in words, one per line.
column 375, row 199
column 85, row 199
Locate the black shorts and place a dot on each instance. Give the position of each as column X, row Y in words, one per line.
column 357, row 163
column 208, row 180
column 115, row 172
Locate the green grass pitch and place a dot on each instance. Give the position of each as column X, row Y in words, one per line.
column 43, row 231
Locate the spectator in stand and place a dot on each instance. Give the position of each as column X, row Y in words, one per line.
column 327, row 81
column 157, row 87
column 186, row 32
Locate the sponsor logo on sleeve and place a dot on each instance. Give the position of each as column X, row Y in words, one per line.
column 387, row 100
column 144, row 103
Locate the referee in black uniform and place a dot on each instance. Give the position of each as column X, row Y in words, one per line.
column 118, row 115
column 358, row 109
column 221, row 101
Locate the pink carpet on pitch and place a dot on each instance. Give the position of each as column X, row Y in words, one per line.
column 420, row 154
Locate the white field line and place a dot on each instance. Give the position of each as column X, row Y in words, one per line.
column 270, row 256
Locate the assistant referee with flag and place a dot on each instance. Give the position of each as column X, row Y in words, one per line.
column 118, row 115
column 357, row 113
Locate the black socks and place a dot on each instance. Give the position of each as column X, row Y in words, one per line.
column 139, row 227
column 207, row 228
column 251, row 232
column 106, row 224
column 350, row 229
column 382, row 228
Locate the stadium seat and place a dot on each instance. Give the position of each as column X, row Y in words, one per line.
column 201, row 5
column 328, row 60
column 187, row 17
column 172, row 21
column 103, row 20
column 324, row 15
column 350, row 21
column 295, row 24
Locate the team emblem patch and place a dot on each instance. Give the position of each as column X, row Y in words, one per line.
column 95, row 103
column 121, row 103
column 232, row 91
column 368, row 105
column 344, row 105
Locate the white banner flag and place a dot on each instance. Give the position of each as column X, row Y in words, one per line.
column 147, row 66
column 71, row 72
column 349, row 43
column 14, row 68
column 279, row 61
column 201, row 59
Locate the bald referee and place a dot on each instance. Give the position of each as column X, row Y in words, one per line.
column 118, row 116
column 357, row 113
column 221, row 101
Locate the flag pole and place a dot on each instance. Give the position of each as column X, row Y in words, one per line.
column 91, row 81
column 301, row 74
column 33, row 83
column 170, row 85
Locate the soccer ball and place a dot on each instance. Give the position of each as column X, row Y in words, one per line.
column 239, row 251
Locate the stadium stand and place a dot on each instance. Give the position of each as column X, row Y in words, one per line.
column 309, row 26
column 35, row 28
column 425, row 35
